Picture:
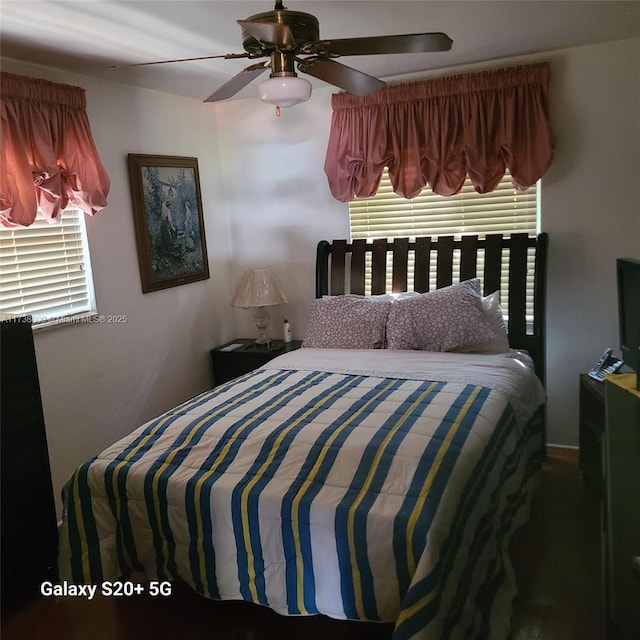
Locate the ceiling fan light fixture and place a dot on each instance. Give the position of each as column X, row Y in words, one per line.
column 284, row 91
column 284, row 36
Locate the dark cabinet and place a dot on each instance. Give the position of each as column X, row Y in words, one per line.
column 29, row 529
column 592, row 425
column 242, row 355
column 621, row 534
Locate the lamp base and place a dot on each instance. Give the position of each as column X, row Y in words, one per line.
column 261, row 318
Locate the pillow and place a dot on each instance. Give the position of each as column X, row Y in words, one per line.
column 405, row 294
column 493, row 315
column 347, row 322
column 441, row 320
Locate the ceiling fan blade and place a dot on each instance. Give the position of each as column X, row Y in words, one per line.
column 270, row 33
column 238, row 82
column 407, row 43
column 227, row 56
column 340, row 75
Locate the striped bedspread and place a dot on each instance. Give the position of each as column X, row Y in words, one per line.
column 388, row 495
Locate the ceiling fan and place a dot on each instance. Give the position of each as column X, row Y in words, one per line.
column 287, row 38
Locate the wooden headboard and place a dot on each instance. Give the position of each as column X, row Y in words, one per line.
column 341, row 268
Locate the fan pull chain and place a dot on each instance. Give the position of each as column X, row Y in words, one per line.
column 277, row 112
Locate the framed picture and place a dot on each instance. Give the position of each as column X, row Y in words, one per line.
column 167, row 212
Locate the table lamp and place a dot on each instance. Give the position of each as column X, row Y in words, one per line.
column 257, row 289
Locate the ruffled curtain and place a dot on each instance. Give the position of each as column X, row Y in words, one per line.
column 437, row 132
column 49, row 157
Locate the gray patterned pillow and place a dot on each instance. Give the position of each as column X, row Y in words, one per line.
column 347, row 322
column 441, row 320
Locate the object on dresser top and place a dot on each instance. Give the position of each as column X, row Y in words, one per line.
column 286, row 330
column 606, row 365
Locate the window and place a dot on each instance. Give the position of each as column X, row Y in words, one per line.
column 504, row 210
column 45, row 270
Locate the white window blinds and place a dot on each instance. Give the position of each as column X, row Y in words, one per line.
column 504, row 210
column 387, row 215
column 45, row 270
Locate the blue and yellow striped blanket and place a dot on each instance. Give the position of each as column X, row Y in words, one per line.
column 369, row 497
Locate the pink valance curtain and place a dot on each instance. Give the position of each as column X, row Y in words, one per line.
column 49, row 157
column 436, row 132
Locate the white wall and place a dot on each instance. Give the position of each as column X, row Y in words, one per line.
column 278, row 204
column 99, row 381
column 267, row 203
column 277, row 198
column 591, row 209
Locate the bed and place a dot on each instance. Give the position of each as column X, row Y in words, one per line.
column 372, row 475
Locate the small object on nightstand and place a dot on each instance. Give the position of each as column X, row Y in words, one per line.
column 286, row 330
column 233, row 346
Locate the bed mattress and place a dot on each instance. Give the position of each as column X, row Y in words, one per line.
column 369, row 485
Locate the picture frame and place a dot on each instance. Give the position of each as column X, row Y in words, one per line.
column 168, row 220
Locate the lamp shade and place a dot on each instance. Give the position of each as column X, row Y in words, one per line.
column 285, row 91
column 258, row 288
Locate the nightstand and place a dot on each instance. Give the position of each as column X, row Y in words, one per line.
column 231, row 363
column 592, row 425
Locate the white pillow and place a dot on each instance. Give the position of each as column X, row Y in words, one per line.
column 493, row 315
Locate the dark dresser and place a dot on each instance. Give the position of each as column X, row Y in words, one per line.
column 592, row 425
column 29, row 528
column 621, row 525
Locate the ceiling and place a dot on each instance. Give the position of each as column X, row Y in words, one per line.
column 88, row 36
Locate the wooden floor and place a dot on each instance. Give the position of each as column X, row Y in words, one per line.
column 556, row 559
